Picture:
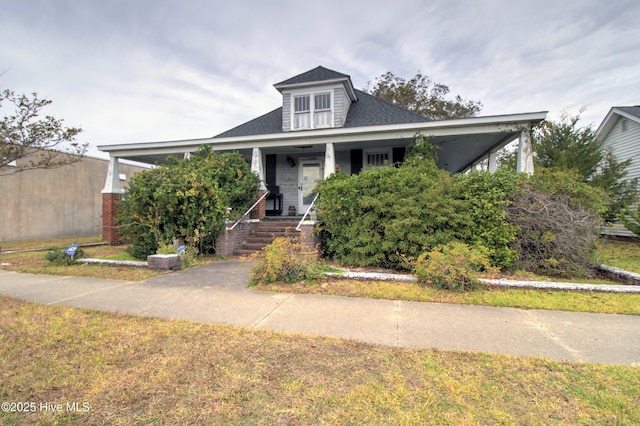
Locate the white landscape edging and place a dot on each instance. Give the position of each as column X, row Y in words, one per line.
column 542, row 285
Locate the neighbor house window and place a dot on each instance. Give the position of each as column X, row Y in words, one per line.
column 302, row 112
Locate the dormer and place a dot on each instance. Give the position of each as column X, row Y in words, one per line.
column 316, row 99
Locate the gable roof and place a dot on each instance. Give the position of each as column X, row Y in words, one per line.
column 366, row 111
column 630, row 112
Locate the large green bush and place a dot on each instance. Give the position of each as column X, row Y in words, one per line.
column 186, row 200
column 485, row 197
column 388, row 216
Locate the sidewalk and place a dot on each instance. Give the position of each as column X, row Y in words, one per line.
column 216, row 293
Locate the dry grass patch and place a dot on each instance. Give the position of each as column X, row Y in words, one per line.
column 133, row 370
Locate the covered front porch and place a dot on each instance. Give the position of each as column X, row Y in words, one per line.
column 289, row 164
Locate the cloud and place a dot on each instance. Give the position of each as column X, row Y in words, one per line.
column 129, row 71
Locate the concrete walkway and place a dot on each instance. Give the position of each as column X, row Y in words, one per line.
column 217, row 293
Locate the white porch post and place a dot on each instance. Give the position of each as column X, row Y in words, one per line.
column 493, row 162
column 525, row 153
column 256, row 167
column 112, row 184
column 329, row 160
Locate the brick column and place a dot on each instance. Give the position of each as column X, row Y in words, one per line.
column 111, row 197
column 260, row 211
column 310, row 238
column 110, row 205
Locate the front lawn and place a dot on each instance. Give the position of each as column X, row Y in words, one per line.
column 620, row 254
column 130, row 370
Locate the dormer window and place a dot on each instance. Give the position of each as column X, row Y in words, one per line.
column 322, row 110
column 319, row 109
column 302, row 112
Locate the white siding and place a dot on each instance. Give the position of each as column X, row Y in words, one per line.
column 286, row 112
column 341, row 106
column 625, row 145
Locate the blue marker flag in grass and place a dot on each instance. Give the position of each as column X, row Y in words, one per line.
column 72, row 249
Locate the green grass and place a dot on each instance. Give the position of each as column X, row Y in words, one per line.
column 620, row 254
column 610, row 303
column 136, row 370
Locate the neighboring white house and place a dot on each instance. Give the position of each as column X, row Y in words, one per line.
column 620, row 131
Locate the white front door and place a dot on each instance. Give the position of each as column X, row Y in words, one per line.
column 309, row 172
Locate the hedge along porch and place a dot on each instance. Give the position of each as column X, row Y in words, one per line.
column 325, row 124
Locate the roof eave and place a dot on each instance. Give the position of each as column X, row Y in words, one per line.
column 506, row 123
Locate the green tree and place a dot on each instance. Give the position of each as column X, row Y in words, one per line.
column 186, row 200
column 422, row 96
column 631, row 220
column 43, row 143
column 564, row 145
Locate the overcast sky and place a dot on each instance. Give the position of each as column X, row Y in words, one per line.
column 151, row 70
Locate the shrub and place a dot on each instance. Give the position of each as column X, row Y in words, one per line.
column 485, row 196
column 57, row 256
column 558, row 218
column 388, row 216
column 453, row 266
column 186, row 200
column 285, row 260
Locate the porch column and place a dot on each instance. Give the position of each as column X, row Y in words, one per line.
column 329, row 160
column 111, row 197
column 525, row 153
column 257, row 168
column 493, row 162
column 260, row 211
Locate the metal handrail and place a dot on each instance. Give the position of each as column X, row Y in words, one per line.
column 248, row 211
column 307, row 212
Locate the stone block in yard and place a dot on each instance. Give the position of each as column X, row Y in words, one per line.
column 163, row 262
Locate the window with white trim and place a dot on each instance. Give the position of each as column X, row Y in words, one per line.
column 373, row 159
column 320, row 109
column 302, row 112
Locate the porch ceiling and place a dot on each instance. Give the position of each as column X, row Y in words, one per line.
column 455, row 153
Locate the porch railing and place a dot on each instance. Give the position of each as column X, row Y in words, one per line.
column 248, row 211
column 307, row 212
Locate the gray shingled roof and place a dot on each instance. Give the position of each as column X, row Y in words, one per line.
column 633, row 110
column 317, row 74
column 366, row 111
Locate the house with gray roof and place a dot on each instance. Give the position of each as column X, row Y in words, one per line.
column 325, row 124
column 620, row 132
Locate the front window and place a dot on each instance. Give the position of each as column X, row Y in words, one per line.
column 377, row 159
column 302, row 112
column 312, row 111
column 322, row 110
